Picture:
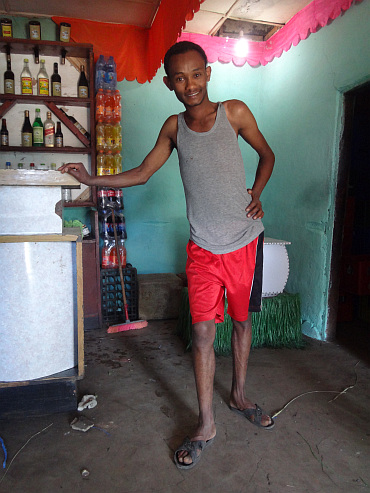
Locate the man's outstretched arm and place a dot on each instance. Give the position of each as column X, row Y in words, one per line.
column 136, row 176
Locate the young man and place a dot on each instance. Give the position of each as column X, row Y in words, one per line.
column 226, row 232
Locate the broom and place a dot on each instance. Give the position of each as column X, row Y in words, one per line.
column 138, row 324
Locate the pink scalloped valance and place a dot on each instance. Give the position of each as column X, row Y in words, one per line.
column 315, row 15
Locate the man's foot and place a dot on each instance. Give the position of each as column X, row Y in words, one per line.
column 253, row 413
column 190, row 451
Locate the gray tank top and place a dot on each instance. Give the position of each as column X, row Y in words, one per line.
column 213, row 176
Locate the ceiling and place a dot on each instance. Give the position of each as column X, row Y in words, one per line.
column 257, row 19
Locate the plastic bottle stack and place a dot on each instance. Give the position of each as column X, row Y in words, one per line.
column 109, row 161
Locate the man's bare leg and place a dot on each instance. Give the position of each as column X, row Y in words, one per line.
column 204, row 371
column 241, row 344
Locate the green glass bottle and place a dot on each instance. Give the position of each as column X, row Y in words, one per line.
column 38, row 130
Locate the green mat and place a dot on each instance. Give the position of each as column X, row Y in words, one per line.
column 277, row 325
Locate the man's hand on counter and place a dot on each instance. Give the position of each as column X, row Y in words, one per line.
column 78, row 171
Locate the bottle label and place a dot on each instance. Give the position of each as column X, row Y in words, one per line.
column 102, row 193
column 100, row 142
column 4, row 140
column 83, row 92
column 26, row 84
column 57, row 89
column 100, row 109
column 26, row 139
column 38, row 135
column 59, row 141
column 49, row 136
column 43, row 86
column 9, row 86
column 104, row 171
column 6, row 31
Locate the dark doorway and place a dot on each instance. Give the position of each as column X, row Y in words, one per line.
column 349, row 296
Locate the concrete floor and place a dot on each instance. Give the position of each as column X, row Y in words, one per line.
column 147, row 404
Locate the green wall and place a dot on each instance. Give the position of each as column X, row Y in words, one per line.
column 297, row 101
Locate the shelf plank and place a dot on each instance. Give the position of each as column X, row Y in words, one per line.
column 24, row 177
column 58, row 150
column 46, row 48
column 6, row 106
column 34, row 99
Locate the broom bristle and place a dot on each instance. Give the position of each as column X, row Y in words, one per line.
column 138, row 324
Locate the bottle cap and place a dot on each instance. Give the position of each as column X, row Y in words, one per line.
column 42, row 61
column 26, row 60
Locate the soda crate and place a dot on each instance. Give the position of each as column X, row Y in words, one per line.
column 112, row 305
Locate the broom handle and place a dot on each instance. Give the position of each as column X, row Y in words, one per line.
column 120, row 266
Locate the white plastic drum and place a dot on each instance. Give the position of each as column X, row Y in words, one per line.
column 275, row 267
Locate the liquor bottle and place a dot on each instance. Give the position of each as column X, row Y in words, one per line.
column 42, row 80
column 27, row 130
column 59, row 136
column 56, row 82
column 4, row 134
column 76, row 124
column 83, row 85
column 8, row 77
column 26, row 79
column 38, row 130
column 49, row 131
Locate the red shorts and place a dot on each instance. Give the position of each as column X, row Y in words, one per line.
column 209, row 275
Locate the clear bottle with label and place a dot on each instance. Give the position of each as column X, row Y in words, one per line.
column 4, row 134
column 42, row 80
column 56, row 82
column 37, row 130
column 26, row 79
column 49, row 131
column 27, row 130
column 83, row 85
column 8, row 77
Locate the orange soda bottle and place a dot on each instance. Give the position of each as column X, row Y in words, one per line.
column 108, row 106
column 99, row 105
column 117, row 108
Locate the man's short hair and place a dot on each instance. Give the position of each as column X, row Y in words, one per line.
column 178, row 49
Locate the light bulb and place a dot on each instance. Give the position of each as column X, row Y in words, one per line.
column 241, row 48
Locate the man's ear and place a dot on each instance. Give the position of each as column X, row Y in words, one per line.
column 208, row 73
column 167, row 81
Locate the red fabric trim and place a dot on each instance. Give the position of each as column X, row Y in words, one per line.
column 138, row 52
column 315, row 15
